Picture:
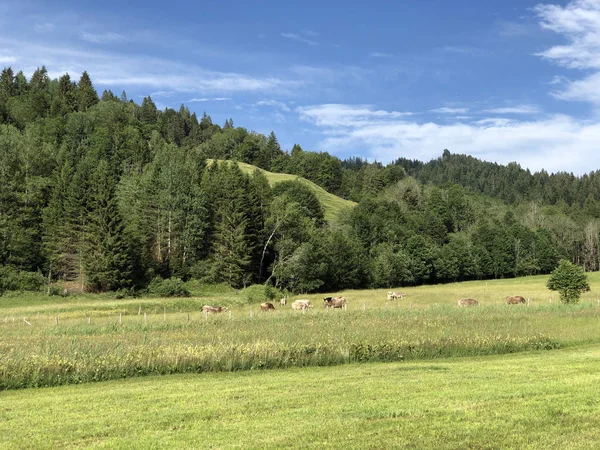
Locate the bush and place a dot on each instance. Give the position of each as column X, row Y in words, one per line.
column 569, row 280
column 259, row 293
column 12, row 279
column 171, row 287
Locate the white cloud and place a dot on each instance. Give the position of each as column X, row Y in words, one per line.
column 388, row 135
column 579, row 23
column 299, row 38
column 310, row 33
column 276, row 104
column 7, row 60
column 45, row 27
column 446, row 110
column 520, row 109
column 123, row 71
column 379, row 55
column 338, row 116
column 216, row 99
column 102, row 38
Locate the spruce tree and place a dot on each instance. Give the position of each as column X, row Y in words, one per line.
column 107, row 258
column 86, row 94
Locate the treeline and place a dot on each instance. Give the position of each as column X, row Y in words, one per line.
column 511, row 183
column 107, row 194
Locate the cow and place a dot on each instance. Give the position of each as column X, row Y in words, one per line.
column 301, row 304
column 207, row 309
column 392, row 296
column 267, row 307
column 468, row 302
column 401, row 295
column 283, row 301
column 334, row 302
column 514, row 300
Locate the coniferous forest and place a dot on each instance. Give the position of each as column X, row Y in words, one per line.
column 109, row 195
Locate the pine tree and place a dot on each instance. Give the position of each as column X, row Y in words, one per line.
column 86, row 94
column 107, row 259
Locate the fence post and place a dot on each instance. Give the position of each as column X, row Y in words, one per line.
column 120, row 318
column 188, row 318
column 56, row 320
column 411, row 304
column 364, row 306
column 528, row 301
column 89, row 320
column 164, row 314
column 230, row 314
column 144, row 317
column 139, row 310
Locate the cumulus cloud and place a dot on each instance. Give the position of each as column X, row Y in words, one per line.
column 388, row 135
column 579, row 23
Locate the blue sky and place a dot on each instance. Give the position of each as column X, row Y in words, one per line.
column 510, row 80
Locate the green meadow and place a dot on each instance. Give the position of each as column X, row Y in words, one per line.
column 48, row 341
column 415, row 373
column 529, row 400
column 332, row 204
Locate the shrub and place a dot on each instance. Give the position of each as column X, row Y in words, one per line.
column 170, row 287
column 258, row 293
column 12, row 279
column 569, row 280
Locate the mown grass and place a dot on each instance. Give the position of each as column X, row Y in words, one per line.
column 331, row 203
column 532, row 400
column 98, row 339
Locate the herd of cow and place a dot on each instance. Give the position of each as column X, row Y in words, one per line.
column 340, row 302
column 510, row 300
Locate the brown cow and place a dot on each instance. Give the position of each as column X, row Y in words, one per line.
column 214, row 309
column 267, row 307
column 514, row 300
column 302, row 304
column 468, row 302
column 401, row 295
column 334, row 302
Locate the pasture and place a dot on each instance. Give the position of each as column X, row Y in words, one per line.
column 49, row 341
column 528, row 400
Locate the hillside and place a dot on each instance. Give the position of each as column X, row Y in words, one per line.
column 332, row 204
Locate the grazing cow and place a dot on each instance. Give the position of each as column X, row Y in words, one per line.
column 283, row 301
column 301, row 304
column 468, row 302
column 334, row 302
column 514, row 300
column 207, row 309
column 267, row 307
column 401, row 295
column 392, row 296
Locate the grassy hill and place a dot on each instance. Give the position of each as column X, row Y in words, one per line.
column 332, row 204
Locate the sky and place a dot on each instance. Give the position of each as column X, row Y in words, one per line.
column 502, row 80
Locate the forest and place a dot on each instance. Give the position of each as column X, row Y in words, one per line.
column 108, row 195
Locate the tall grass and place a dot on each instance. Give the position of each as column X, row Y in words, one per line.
column 99, row 338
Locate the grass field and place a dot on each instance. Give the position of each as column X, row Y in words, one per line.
column 47, row 341
column 332, row 204
column 530, row 400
